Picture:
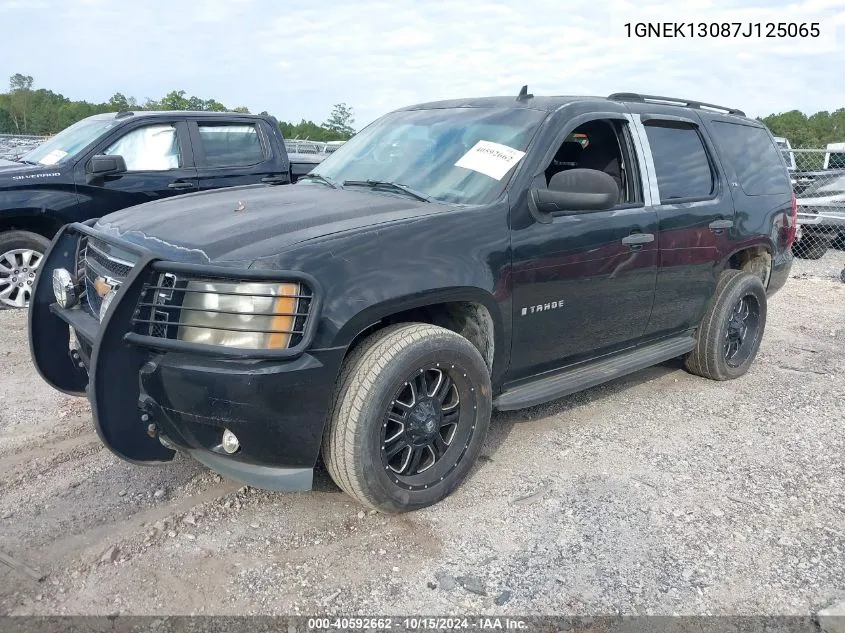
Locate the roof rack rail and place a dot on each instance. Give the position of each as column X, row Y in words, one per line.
column 633, row 96
column 123, row 113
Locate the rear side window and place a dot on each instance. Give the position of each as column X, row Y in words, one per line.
column 752, row 154
column 230, row 145
column 680, row 161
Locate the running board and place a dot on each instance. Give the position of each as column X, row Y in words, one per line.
column 592, row 373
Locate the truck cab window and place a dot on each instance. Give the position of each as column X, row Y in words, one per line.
column 227, row 145
column 600, row 145
column 149, row 148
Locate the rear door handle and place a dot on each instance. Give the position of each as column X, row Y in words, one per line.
column 638, row 239
column 181, row 184
column 717, row 226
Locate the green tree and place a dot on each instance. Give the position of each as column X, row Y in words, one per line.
column 20, row 89
column 118, row 102
column 340, row 121
column 26, row 110
column 175, row 100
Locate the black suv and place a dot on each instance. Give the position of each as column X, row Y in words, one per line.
column 451, row 258
column 112, row 161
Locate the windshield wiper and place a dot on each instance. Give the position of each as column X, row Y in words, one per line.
column 25, row 162
column 375, row 184
column 320, row 178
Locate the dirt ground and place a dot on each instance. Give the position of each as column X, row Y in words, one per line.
column 660, row 493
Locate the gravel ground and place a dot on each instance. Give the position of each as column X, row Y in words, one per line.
column 659, row 493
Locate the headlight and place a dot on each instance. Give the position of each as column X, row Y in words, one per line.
column 251, row 315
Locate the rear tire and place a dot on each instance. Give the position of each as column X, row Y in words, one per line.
column 730, row 333
column 410, row 415
column 21, row 253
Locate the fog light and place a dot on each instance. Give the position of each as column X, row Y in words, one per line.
column 230, row 442
column 64, row 288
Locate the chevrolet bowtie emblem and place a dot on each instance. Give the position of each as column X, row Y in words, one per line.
column 102, row 286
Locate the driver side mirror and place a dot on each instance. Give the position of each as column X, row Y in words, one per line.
column 103, row 165
column 573, row 191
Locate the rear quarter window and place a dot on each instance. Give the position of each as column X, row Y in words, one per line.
column 752, row 154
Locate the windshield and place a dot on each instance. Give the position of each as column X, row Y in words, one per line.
column 823, row 187
column 69, row 142
column 420, row 148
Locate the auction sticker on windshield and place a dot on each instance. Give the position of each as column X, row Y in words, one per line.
column 490, row 159
column 53, row 157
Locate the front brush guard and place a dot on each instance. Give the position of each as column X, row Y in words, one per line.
column 113, row 384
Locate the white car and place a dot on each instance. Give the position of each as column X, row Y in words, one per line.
column 821, row 215
column 786, row 149
column 834, row 157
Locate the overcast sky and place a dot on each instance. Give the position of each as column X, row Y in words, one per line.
column 295, row 58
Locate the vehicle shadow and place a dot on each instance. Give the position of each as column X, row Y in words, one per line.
column 503, row 423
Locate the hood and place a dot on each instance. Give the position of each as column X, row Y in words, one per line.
column 245, row 223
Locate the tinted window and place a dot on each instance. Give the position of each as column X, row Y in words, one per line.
column 680, row 161
column 836, row 160
column 752, row 155
column 149, row 148
column 230, row 145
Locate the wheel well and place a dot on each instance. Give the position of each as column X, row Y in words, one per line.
column 40, row 224
column 470, row 319
column 756, row 260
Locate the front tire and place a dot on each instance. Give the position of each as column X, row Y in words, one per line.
column 410, row 415
column 730, row 333
column 21, row 253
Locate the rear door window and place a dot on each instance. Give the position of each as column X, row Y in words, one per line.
column 227, row 145
column 680, row 161
column 753, row 156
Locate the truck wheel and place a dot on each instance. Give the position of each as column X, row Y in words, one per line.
column 410, row 414
column 813, row 248
column 732, row 328
column 21, row 253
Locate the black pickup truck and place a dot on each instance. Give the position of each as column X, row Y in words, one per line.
column 449, row 259
column 112, row 161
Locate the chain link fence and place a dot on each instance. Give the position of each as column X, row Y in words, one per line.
column 13, row 146
column 818, row 179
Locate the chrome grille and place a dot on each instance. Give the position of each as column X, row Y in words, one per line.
column 97, row 258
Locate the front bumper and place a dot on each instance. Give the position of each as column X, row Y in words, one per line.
column 149, row 395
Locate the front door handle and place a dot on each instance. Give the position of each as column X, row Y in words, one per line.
column 181, row 184
column 717, row 226
column 638, row 239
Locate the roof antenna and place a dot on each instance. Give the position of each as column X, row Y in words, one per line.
column 523, row 94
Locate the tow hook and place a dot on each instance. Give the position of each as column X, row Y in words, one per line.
column 144, row 405
column 76, row 359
